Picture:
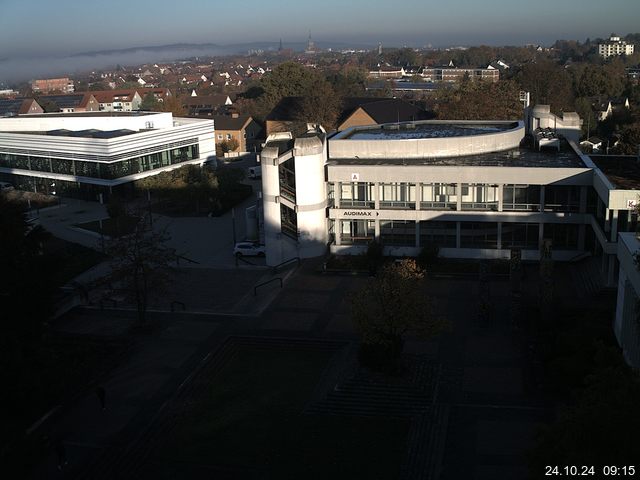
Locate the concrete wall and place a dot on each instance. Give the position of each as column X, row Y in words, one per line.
column 343, row 147
column 84, row 121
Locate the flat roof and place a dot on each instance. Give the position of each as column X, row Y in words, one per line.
column 406, row 131
column 519, row 157
column 88, row 114
column 623, row 171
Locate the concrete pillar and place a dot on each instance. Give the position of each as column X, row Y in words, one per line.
column 338, row 231
column 541, row 200
column 376, row 195
column 459, row 197
column 417, row 234
column 377, row 229
column 583, row 199
column 614, row 225
column 581, row 236
column 458, row 229
column 499, row 235
column 540, row 235
column 500, row 200
column 599, row 206
column 337, row 194
column 611, row 269
column 418, row 195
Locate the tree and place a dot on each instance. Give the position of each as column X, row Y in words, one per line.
column 140, row 262
column 549, row 84
column 478, row 100
column 320, row 105
column 150, row 103
column 230, row 145
column 391, row 305
column 174, row 105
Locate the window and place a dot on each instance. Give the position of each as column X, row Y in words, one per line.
column 520, row 235
column 398, row 195
column 219, row 136
column 440, row 234
column 357, row 232
column 521, row 197
column 436, row 196
column 479, row 235
column 477, row 196
column 229, row 137
column 398, row 232
column 357, row 194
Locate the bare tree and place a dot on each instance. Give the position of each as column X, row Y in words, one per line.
column 141, row 262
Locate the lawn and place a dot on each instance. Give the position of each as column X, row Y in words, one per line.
column 250, row 422
column 71, row 259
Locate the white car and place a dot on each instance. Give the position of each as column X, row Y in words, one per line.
column 249, row 249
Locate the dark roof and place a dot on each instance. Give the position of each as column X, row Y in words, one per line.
column 387, row 110
column 90, row 133
column 64, row 101
column 227, row 122
column 206, row 101
column 14, row 106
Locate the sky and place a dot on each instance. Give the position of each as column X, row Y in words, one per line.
column 56, row 28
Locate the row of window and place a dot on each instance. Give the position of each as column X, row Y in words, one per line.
column 107, row 171
column 443, row 196
column 444, row 234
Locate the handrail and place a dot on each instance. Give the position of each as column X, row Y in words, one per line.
column 177, row 302
column 178, row 257
column 255, row 288
column 294, row 259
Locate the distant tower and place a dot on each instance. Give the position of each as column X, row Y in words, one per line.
column 280, row 46
column 311, row 46
column 380, row 48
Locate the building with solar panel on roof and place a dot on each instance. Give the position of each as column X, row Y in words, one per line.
column 97, row 152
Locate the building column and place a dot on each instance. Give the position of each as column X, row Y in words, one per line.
column 459, row 196
column 611, row 270
column 541, row 200
column 581, row 236
column 337, row 231
column 500, row 235
column 417, row 234
column 583, row 199
column 418, row 195
column 337, row 194
column 540, row 235
column 500, row 199
column 377, row 230
column 376, row 195
column 458, row 229
column 614, row 225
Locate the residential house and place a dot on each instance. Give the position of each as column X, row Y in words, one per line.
column 10, row 107
column 453, row 74
column 118, row 100
column 360, row 111
column 242, row 128
column 615, row 47
column 48, row 85
column 80, row 102
column 207, row 105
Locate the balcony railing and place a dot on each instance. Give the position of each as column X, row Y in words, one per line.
column 480, row 206
column 397, row 205
column 346, row 239
column 521, row 207
column 438, row 205
column 356, row 204
column 556, row 207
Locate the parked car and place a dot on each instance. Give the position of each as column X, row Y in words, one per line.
column 249, row 249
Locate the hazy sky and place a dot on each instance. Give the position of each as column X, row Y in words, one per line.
column 68, row 26
column 52, row 29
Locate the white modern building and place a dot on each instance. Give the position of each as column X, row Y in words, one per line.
column 615, row 47
column 95, row 152
column 476, row 190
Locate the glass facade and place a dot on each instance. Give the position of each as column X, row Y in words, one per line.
column 289, row 221
column 476, row 196
column 441, row 234
column 561, row 198
column 478, row 235
column 102, row 170
column 521, row 198
column 398, row 195
column 439, row 196
column 357, row 232
column 520, row 235
column 398, row 232
column 563, row 236
column 357, row 194
column 287, row 173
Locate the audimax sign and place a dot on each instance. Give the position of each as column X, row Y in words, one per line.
column 360, row 213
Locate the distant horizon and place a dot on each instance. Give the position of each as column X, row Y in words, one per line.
column 26, row 67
